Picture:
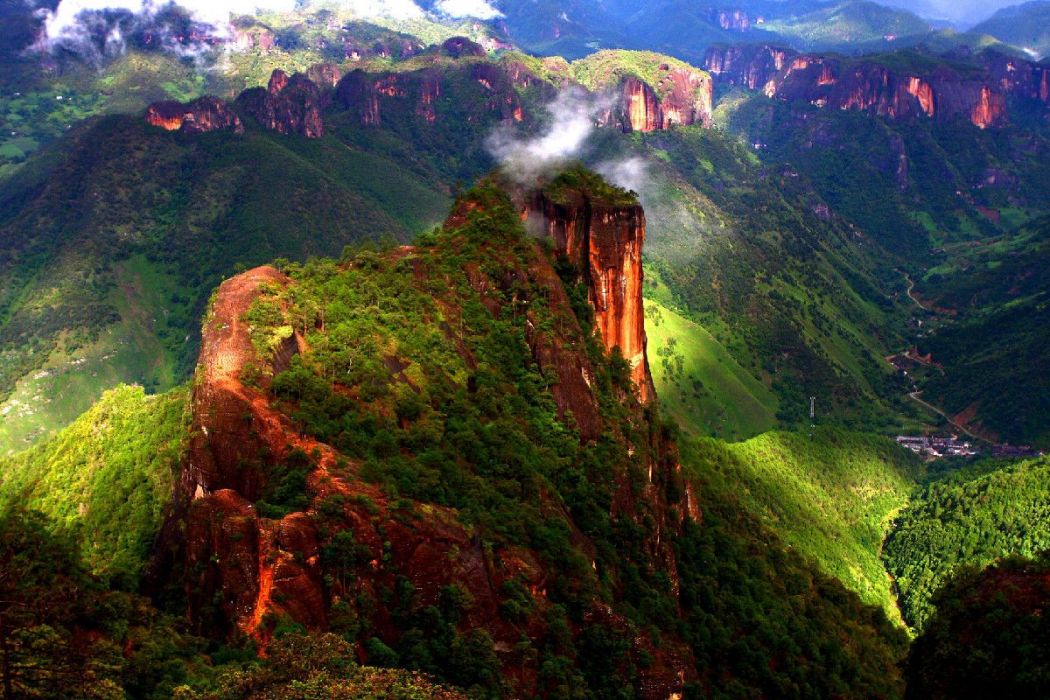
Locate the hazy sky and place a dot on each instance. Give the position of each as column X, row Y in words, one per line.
column 962, row 11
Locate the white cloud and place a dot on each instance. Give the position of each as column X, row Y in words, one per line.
column 64, row 21
column 573, row 116
column 479, row 9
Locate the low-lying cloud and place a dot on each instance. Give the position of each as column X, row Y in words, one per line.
column 101, row 27
column 573, row 117
column 478, row 9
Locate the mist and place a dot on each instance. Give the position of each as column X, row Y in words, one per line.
column 964, row 13
column 573, row 117
column 99, row 28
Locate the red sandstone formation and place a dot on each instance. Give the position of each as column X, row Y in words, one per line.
column 369, row 96
column 197, row 117
column 679, row 97
column 943, row 93
column 989, row 110
column 244, row 571
column 734, row 20
column 605, row 243
column 459, row 46
column 324, row 75
column 288, row 105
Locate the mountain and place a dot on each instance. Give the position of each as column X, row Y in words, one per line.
column 450, row 456
column 1025, row 26
column 848, row 24
column 970, row 518
column 983, row 617
column 581, row 435
column 426, row 115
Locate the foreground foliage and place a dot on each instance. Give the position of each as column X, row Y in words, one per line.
column 107, row 479
column 990, row 636
column 968, row 518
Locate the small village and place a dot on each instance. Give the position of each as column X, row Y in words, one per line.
column 934, row 447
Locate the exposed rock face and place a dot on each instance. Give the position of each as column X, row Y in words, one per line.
column 679, row 97
column 943, row 93
column 605, row 244
column 735, row 20
column 484, row 89
column 197, row 117
column 288, row 105
column 459, row 46
column 324, row 75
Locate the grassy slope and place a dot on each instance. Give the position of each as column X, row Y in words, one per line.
column 848, row 23
column 830, row 496
column 984, row 266
column 1026, row 26
column 130, row 350
column 78, row 315
column 971, row 517
column 699, row 383
column 107, row 477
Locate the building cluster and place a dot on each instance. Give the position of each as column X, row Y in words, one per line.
column 934, row 447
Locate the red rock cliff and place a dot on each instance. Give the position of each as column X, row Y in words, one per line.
column 678, row 97
column 944, row 92
column 196, row 117
column 605, row 243
column 288, row 105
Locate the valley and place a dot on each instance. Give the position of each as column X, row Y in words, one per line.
column 585, row 350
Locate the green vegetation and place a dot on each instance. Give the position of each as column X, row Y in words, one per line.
column 995, row 349
column 321, row 666
column 968, row 518
column 577, row 180
column 759, row 613
column 795, row 298
column 989, row 637
column 108, row 292
column 700, row 385
column 979, row 256
column 1026, row 26
column 849, row 23
column 107, row 479
column 830, row 496
column 63, row 629
column 606, row 69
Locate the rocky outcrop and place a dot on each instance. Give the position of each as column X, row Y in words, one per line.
column 677, row 97
column 604, row 242
column 733, row 20
column 288, row 105
column 944, row 93
column 324, row 75
column 197, row 117
column 484, row 91
column 458, row 47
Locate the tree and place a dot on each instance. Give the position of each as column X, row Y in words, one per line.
column 40, row 586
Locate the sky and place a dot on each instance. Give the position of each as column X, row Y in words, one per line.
column 964, row 12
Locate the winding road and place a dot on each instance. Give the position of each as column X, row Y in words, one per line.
column 916, row 396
